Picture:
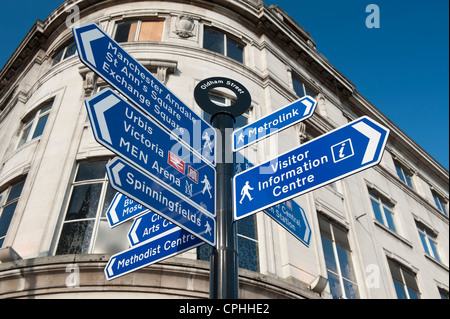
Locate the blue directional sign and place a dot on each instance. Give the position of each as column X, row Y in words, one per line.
column 291, row 217
column 335, row 155
column 149, row 192
column 126, row 131
column 288, row 214
column 280, row 119
column 110, row 61
column 147, row 227
column 149, row 253
column 123, row 209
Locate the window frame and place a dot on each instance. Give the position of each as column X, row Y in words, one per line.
column 338, row 259
column 106, row 194
column 383, row 206
column 297, row 82
column 439, row 202
column 137, row 32
column 62, row 53
column 32, row 124
column 5, row 202
column 227, row 37
column 403, row 271
column 429, row 241
column 404, row 174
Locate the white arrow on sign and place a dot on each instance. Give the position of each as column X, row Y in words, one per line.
column 133, row 235
column 374, row 137
column 109, row 269
column 86, row 38
column 113, row 211
column 100, row 109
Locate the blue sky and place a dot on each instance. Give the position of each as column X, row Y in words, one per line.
column 402, row 67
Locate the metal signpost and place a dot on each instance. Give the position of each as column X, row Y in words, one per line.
column 335, row 155
column 117, row 67
column 127, row 132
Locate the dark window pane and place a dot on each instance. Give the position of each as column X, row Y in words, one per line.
column 235, row 50
column 75, row 238
column 58, row 57
column 40, row 126
column 400, row 290
column 91, row 171
column 329, row 254
column 335, row 285
column 298, row 87
column 214, row 40
column 71, row 49
column 246, row 227
column 6, row 217
column 204, row 252
column 377, row 211
column 247, row 254
column 110, row 193
column 126, row 31
column 84, row 201
column 351, row 290
column 15, row 192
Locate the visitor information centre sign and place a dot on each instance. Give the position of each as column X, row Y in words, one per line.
column 117, row 67
column 330, row 157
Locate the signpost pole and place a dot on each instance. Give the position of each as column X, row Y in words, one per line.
column 224, row 281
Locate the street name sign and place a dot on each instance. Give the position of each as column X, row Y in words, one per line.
column 281, row 119
column 151, row 252
column 122, row 128
column 123, row 209
column 153, row 194
column 330, row 157
column 147, row 227
column 111, row 62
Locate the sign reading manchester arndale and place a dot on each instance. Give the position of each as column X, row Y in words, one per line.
column 335, row 155
column 126, row 131
column 110, row 61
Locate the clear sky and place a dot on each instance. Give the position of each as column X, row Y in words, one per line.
column 402, row 67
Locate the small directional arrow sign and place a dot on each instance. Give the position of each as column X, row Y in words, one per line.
column 110, row 61
column 335, row 155
column 281, row 119
column 291, row 217
column 288, row 214
column 123, row 209
column 148, row 253
column 147, row 227
column 135, row 184
column 122, row 128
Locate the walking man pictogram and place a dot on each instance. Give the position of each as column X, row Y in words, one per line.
column 207, row 186
column 244, row 192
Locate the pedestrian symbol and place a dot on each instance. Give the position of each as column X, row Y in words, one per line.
column 244, row 192
column 207, row 186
